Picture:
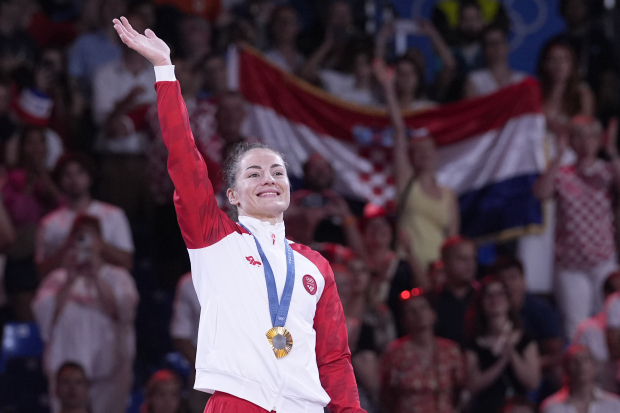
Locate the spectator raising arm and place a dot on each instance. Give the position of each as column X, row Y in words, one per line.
column 402, row 168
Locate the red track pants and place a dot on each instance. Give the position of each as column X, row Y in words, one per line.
column 227, row 403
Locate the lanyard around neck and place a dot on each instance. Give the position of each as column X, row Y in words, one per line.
column 278, row 309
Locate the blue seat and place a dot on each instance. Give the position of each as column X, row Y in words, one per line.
column 20, row 340
column 178, row 363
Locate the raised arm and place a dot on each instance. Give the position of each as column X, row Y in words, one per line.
column 402, row 169
column 201, row 221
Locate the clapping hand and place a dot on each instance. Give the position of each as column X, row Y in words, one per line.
column 148, row 44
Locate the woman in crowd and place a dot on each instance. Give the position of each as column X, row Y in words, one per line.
column 428, row 211
column 421, row 373
column 410, row 71
column 284, row 28
column 564, row 95
column 28, row 194
column 163, row 393
column 502, row 360
column 370, row 326
column 247, row 355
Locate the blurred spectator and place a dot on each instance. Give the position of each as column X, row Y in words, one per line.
column 518, row 404
column 92, row 50
column 16, row 47
column 350, row 79
column 538, row 319
column 580, row 393
column 85, row 312
column 497, row 72
column 45, row 31
column 72, row 388
column 229, row 117
column 170, row 252
column 32, row 108
column 392, row 275
column 319, row 214
column 612, row 312
column 428, row 212
column 452, row 300
column 595, row 53
column 421, row 372
column 194, row 38
column 585, row 248
column 454, row 18
column 284, row 28
column 591, row 333
column 370, row 326
column 502, row 359
column 122, row 92
column 467, row 50
column 411, row 88
column 564, row 95
column 211, row 71
column 74, row 174
column 163, row 393
column 28, row 194
column 184, row 333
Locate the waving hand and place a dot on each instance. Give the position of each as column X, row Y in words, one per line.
column 148, row 44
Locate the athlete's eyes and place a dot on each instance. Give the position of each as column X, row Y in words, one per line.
column 278, row 173
column 253, row 175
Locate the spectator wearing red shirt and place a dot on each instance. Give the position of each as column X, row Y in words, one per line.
column 585, row 248
column 421, row 372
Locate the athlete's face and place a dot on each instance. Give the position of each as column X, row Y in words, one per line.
column 262, row 189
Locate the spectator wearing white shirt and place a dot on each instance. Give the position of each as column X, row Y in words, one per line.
column 122, row 92
column 580, row 394
column 498, row 73
column 85, row 312
column 591, row 333
column 184, row 333
column 74, row 174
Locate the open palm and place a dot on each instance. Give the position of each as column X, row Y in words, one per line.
column 148, row 44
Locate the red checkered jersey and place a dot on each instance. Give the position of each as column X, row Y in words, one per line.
column 585, row 223
column 234, row 355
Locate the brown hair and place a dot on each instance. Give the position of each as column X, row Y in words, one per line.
column 571, row 102
column 476, row 320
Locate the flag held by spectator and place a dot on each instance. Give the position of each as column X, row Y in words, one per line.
column 490, row 148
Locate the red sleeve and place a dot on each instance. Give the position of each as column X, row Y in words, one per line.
column 201, row 221
column 332, row 346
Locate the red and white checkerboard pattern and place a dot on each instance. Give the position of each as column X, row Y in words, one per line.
column 380, row 180
column 585, row 223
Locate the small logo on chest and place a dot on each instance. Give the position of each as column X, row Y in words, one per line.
column 309, row 284
column 252, row 261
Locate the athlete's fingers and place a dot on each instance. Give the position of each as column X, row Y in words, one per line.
column 150, row 34
column 128, row 26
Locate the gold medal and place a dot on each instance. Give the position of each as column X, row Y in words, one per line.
column 281, row 341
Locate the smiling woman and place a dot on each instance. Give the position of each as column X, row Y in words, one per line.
column 281, row 348
column 258, row 185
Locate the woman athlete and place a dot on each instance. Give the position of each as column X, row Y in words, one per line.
column 281, row 348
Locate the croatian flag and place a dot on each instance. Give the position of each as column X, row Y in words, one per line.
column 490, row 148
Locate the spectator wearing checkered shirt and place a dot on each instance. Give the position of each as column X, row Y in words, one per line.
column 585, row 249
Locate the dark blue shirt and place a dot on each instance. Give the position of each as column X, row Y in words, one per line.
column 540, row 319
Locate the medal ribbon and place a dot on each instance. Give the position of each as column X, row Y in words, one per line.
column 278, row 310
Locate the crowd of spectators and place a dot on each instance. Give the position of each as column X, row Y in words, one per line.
column 90, row 242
